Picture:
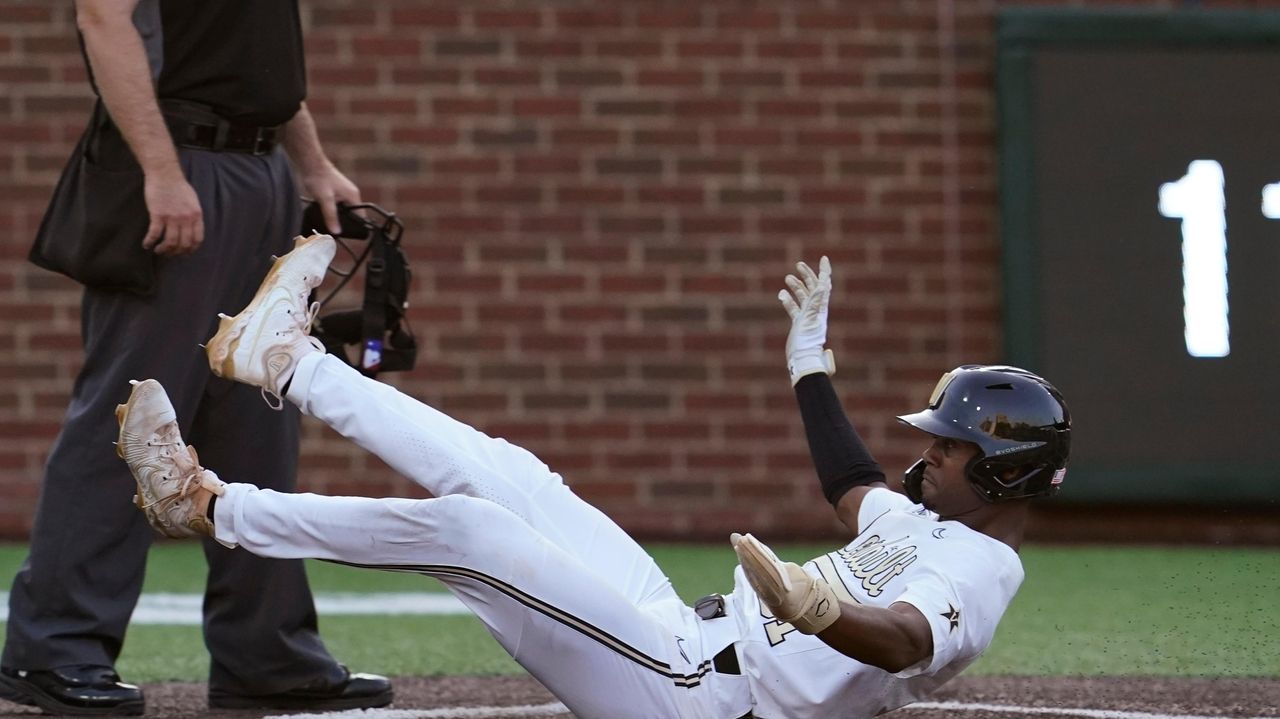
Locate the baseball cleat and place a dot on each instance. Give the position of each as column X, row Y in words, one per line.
column 168, row 472
column 262, row 345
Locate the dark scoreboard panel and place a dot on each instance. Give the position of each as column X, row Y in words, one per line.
column 1140, row 202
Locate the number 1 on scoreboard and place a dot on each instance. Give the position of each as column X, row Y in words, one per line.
column 1199, row 200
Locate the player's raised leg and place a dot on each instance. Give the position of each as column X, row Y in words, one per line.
column 267, row 345
column 173, row 490
column 590, row 645
column 261, row 346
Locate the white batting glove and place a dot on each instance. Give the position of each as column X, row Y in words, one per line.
column 805, row 602
column 806, row 301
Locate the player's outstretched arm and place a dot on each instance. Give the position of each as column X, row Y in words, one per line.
column 892, row 638
column 845, row 467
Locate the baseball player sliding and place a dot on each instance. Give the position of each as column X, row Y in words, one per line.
column 912, row 600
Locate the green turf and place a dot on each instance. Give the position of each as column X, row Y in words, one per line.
column 1149, row 611
column 1081, row 611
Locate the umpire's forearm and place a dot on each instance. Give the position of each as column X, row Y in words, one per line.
column 302, row 143
column 123, row 76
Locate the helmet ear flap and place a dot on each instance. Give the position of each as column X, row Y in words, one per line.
column 985, row 476
column 912, row 479
column 979, row 472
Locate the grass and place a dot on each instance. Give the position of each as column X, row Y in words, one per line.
column 1195, row 612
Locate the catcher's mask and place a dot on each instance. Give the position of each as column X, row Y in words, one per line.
column 1018, row 420
column 379, row 330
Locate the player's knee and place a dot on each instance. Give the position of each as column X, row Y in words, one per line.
column 460, row 516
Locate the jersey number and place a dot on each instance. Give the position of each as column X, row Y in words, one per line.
column 777, row 630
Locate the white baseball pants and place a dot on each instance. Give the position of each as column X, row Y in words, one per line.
column 562, row 588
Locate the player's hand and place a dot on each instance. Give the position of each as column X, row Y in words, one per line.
column 177, row 222
column 806, row 300
column 805, row 602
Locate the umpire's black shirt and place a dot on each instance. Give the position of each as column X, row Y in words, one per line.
column 242, row 57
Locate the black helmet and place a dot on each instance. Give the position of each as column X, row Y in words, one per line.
column 1017, row 419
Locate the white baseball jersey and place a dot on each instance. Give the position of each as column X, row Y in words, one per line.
column 960, row 580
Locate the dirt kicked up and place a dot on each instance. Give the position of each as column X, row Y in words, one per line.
column 965, row 698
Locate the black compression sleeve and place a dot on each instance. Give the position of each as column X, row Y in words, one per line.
column 841, row 459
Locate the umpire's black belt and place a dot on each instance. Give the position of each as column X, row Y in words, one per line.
column 195, row 125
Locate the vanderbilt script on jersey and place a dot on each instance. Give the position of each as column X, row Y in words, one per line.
column 959, row 579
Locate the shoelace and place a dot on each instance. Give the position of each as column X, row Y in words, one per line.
column 272, row 391
column 189, row 471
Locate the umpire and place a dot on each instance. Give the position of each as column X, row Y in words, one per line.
column 169, row 210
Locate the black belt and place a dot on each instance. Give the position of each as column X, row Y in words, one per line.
column 192, row 125
column 712, row 607
column 726, row 662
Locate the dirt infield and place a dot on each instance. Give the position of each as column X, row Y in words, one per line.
column 1163, row 698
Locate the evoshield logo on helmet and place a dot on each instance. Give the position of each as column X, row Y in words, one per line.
column 1010, row 414
column 1018, row 448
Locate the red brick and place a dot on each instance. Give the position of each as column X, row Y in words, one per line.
column 668, row 430
column 555, row 284
column 454, row 48
column 382, row 46
column 595, row 195
column 653, row 344
column 668, row 19
column 667, row 138
column 789, row 109
column 705, row 107
column 555, row 47
column 592, row 77
column 670, row 77
column 708, row 49
column 549, row 343
column 429, row 16
column 459, row 105
column 739, row 19
column 471, row 223
column 507, row 76
column 497, row 312
column 483, row 165
column 789, row 49
column 711, row 224
column 509, row 195
column 628, row 48
column 507, row 19
column 596, row 430
column 593, row 313
column 417, row 75
column 579, row 135
column 424, row 135
column 550, row 164
column 577, row 19
column 547, row 106
column 556, row 224
column 673, row 195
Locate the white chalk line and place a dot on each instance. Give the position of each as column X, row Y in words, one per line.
column 1061, row 711
column 184, row 609
column 557, row 709
column 526, row 710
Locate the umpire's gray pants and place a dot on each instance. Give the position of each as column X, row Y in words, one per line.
column 72, row 598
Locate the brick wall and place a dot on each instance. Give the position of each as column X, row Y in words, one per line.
column 602, row 198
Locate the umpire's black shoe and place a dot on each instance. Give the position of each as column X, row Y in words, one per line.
column 341, row 690
column 82, row 689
